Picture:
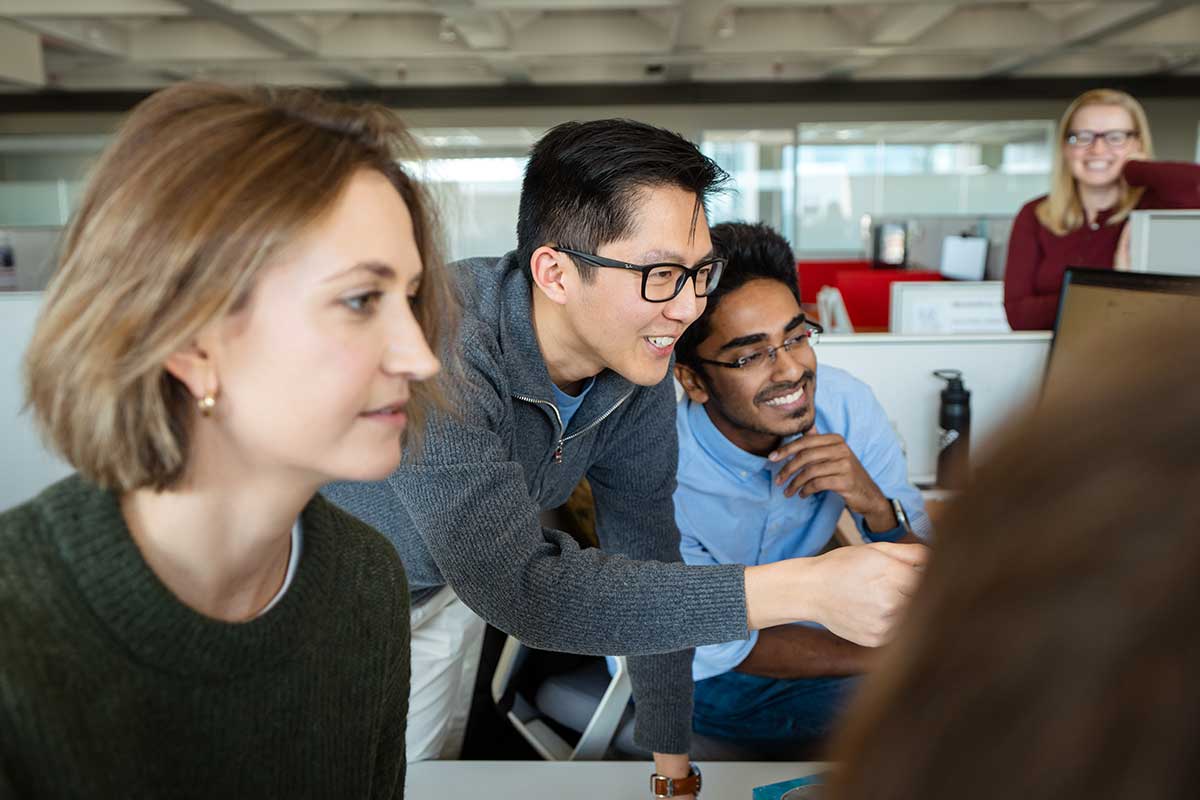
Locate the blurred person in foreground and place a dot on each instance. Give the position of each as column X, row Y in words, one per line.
column 1053, row 647
column 240, row 315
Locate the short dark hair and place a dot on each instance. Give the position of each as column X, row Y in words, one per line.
column 581, row 182
column 752, row 251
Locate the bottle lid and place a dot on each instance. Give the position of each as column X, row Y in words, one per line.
column 954, row 391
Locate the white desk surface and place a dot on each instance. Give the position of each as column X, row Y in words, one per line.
column 610, row 780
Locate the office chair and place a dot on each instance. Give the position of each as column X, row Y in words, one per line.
column 586, row 700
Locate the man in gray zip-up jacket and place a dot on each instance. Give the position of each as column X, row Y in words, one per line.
column 538, row 328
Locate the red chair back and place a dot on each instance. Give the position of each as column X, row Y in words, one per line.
column 812, row 275
column 868, row 294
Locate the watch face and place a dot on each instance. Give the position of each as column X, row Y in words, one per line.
column 810, row 792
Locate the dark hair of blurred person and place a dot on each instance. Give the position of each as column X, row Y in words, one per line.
column 1054, row 646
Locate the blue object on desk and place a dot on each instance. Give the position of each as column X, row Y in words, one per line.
column 777, row 791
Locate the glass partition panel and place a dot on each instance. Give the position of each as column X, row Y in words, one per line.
column 475, row 177
column 846, row 171
column 761, row 165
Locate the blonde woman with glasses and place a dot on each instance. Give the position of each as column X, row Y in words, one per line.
column 243, row 311
column 1102, row 171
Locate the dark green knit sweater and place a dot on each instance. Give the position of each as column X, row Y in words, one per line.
column 110, row 687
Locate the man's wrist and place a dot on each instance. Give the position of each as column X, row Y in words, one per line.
column 673, row 765
column 781, row 592
column 671, row 785
column 882, row 517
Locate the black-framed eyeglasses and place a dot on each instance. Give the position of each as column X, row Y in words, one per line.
column 663, row 282
column 1114, row 138
column 808, row 335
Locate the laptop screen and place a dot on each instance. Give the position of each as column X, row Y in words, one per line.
column 1107, row 303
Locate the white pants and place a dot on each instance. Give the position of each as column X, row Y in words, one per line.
column 446, row 640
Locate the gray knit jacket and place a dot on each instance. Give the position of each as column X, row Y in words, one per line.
column 465, row 511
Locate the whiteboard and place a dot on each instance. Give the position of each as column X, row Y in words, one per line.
column 26, row 465
column 948, row 307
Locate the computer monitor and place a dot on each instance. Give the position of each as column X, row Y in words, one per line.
column 1100, row 300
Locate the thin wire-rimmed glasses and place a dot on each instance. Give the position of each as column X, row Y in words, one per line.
column 1113, row 138
column 663, row 282
column 808, row 335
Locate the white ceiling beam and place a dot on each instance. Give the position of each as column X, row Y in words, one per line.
column 323, row 23
column 1101, row 63
column 1075, row 4
column 96, row 37
column 288, row 36
column 922, row 67
column 249, row 27
column 21, row 56
column 519, row 20
column 1185, row 64
column 574, row 5
column 789, row 31
column 91, row 8
column 696, row 23
column 480, row 30
column 508, row 67
column 844, row 68
column 717, row 71
column 303, row 40
column 1104, row 20
column 1058, row 11
column 1177, row 25
column 581, row 34
column 904, row 24
column 1086, row 28
column 992, row 28
column 400, row 37
column 862, row 19
column 333, row 6
column 196, row 40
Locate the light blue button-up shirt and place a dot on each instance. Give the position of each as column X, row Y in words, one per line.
column 729, row 509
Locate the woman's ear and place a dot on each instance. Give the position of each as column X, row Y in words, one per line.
column 549, row 274
column 692, row 382
column 192, row 366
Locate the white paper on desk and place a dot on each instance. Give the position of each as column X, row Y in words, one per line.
column 964, row 258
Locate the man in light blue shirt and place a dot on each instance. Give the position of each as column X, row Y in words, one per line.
column 766, row 468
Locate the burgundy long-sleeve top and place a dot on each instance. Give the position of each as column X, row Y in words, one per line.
column 1038, row 259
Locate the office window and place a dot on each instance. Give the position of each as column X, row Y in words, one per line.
column 848, row 172
column 475, row 176
column 41, row 177
column 761, row 164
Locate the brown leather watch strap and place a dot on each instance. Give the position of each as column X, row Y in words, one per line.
column 662, row 786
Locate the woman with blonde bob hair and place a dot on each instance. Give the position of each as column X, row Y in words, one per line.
column 1102, row 171
column 243, row 311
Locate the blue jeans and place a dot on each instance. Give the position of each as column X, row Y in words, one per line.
column 744, row 707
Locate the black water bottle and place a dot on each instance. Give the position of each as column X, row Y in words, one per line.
column 954, row 437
